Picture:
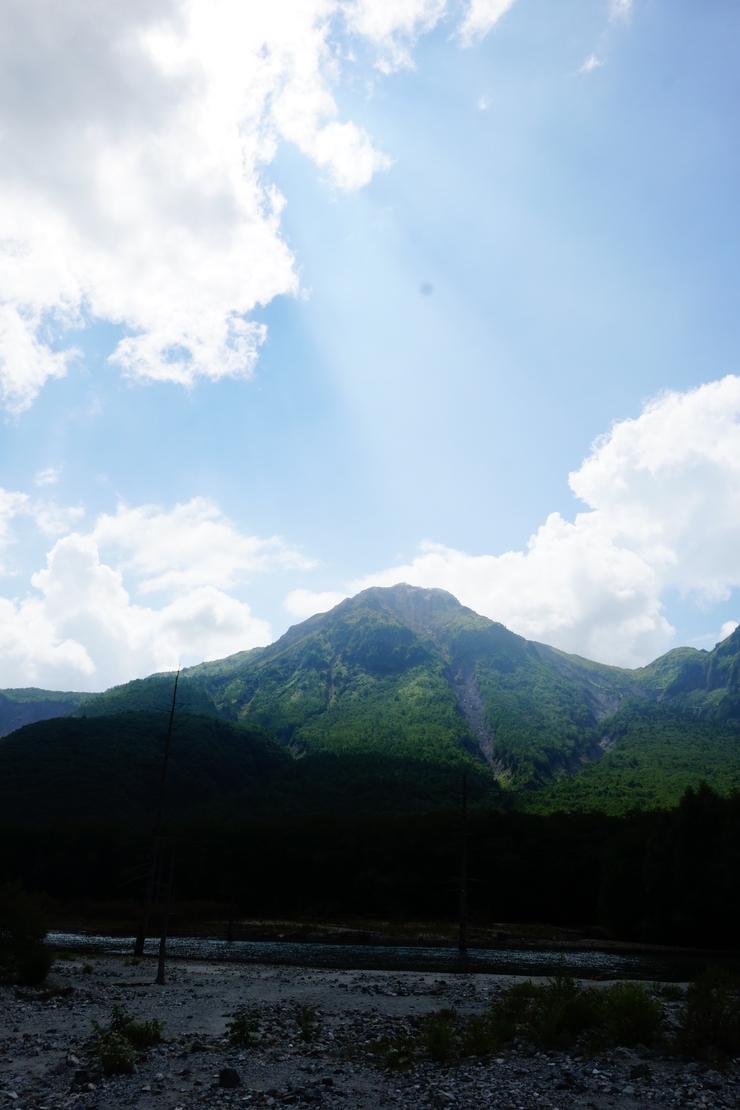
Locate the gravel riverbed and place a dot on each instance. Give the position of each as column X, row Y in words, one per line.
column 47, row 1042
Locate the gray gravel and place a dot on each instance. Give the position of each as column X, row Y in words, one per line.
column 47, row 1056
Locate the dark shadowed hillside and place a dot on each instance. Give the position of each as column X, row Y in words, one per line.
column 109, row 768
column 24, row 706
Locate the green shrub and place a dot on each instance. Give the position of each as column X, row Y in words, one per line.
column 710, row 1020
column 308, row 1023
column 124, row 1037
column 33, row 962
column 243, row 1028
column 439, row 1035
column 116, row 1054
column 395, row 1054
column 87, row 968
column 479, row 1038
column 631, row 1013
column 24, row 957
column 562, row 1012
column 556, row 1015
column 140, row 1034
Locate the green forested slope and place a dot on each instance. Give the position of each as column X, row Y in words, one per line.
column 405, row 670
column 656, row 752
column 148, row 695
column 24, row 706
column 405, row 673
column 109, row 768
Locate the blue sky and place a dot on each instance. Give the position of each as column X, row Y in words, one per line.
column 553, row 246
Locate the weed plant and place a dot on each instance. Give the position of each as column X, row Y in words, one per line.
column 243, row 1028
column 394, row 1054
column 116, row 1054
column 123, row 1038
column 308, row 1024
column 439, row 1036
column 710, row 1020
column 550, row 1017
column 140, row 1034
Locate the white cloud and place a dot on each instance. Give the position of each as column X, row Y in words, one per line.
column 480, row 18
column 591, row 64
column 80, row 628
column 620, row 9
column 304, row 603
column 11, row 505
column 727, row 629
column 54, row 520
column 190, row 546
column 134, row 141
column 664, row 497
column 48, row 477
column 394, row 26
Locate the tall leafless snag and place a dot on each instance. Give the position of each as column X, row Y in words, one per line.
column 462, row 941
column 146, row 906
column 166, row 910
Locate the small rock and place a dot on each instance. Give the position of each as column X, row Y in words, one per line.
column 629, row 1091
column 640, row 1071
column 72, row 1061
column 229, row 1077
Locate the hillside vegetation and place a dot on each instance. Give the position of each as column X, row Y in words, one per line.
column 658, row 752
column 404, row 677
column 412, row 671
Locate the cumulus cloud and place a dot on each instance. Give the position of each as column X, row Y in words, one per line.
column 190, row 546
column 394, row 26
column 134, row 141
column 80, row 627
column 480, row 18
column 304, row 603
column 663, row 492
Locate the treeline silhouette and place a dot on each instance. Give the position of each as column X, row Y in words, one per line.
column 664, row 877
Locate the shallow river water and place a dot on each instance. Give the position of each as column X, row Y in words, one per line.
column 667, row 967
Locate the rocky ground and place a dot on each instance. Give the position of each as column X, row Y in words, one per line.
column 48, row 1061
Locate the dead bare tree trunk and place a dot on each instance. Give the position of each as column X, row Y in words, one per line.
column 165, row 922
column 462, row 941
column 230, row 930
column 146, row 906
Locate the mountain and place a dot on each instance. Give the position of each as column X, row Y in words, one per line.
column 405, row 673
column 23, row 707
column 413, row 672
